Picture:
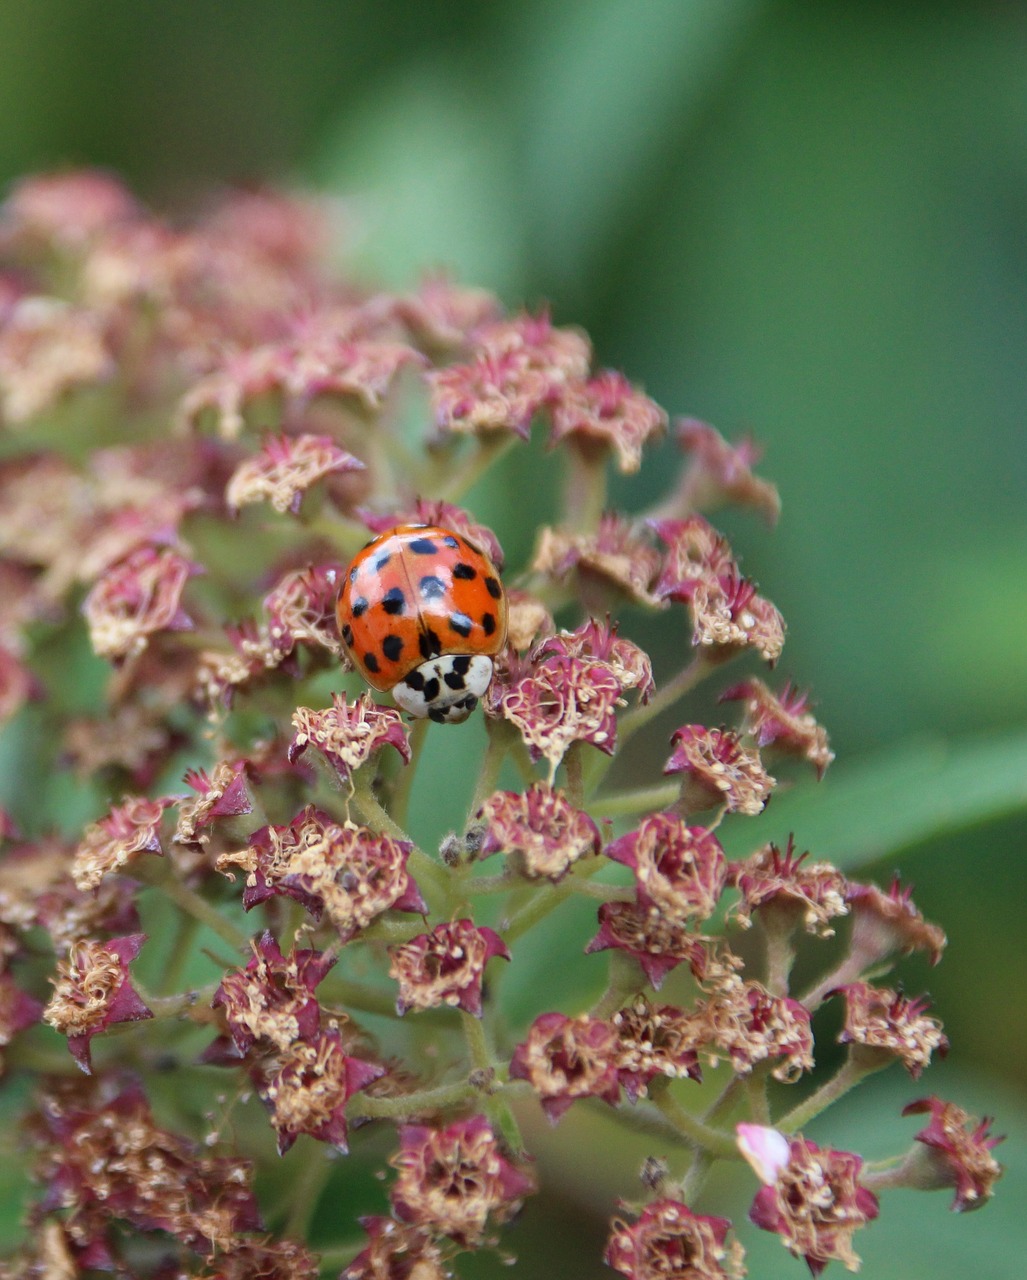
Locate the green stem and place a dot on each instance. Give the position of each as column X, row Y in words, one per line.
column 664, row 697
column 412, row 1104
column 713, row 1142
column 465, row 476
column 181, row 948
column 847, row 1077
column 625, row 980
column 500, row 739
column 306, row 1193
column 401, row 795
column 573, row 769
column 543, row 902
column 643, row 800
column 422, row 867
column 189, row 901
column 584, row 493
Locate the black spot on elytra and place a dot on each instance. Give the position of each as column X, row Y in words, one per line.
column 460, row 623
column 429, row 644
column 462, row 664
column 432, row 689
column 432, row 587
column 454, row 680
column 394, row 601
column 371, row 663
column 464, row 571
column 488, row 623
column 415, row 680
column 347, row 633
column 422, row 547
column 353, row 573
column 382, row 561
column 359, row 606
column 450, row 541
column 492, row 585
column 392, row 647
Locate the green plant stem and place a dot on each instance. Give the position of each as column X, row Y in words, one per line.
column 542, row 903
column 181, row 947
column 412, row 1104
column 306, row 1192
column 664, row 697
column 845, row 1078
column 642, row 800
column 584, row 491
column 574, row 771
column 496, row 1106
column 404, row 784
column 778, row 929
column 712, row 1141
column 189, row 901
column 467, row 474
column 422, row 867
column 626, row 978
column 500, row 739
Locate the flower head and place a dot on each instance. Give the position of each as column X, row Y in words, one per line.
column 284, row 469
column 395, row 1251
column 812, row 1197
column 720, row 472
column 612, row 556
column 782, row 721
column 222, row 794
column 888, row 921
column 113, row 843
column 445, row 967
column 718, row 770
column 354, row 875
column 452, row 1181
column 659, row 943
column 882, row 1025
column 957, row 1152
column 136, row 599
column 746, row 1022
column 307, row 1086
column 680, row 870
column 348, row 734
column 607, row 413
column 654, row 1040
column 567, row 1058
column 105, row 1160
column 273, row 997
column 92, row 992
column 814, row 892
column 668, row 1240
column 539, row 830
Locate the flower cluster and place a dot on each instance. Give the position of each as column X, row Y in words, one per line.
column 204, row 427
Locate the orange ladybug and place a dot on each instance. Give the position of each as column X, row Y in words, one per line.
column 422, row 612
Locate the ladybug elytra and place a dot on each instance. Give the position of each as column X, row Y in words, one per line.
column 422, row 612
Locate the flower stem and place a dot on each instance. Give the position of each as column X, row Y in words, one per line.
column 642, row 800
column 404, row 784
column 412, row 1104
column 422, row 867
column 306, row 1193
column 716, row 1144
column 847, row 1077
column 188, row 900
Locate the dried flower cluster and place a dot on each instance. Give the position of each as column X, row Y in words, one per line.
column 203, row 426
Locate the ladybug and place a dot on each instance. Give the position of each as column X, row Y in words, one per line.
column 422, row 612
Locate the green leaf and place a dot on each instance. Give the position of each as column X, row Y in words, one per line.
column 898, row 799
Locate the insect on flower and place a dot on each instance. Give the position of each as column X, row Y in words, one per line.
column 422, row 613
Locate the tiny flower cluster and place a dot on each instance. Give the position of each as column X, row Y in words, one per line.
column 212, row 440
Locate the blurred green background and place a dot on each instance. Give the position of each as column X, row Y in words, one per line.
column 807, row 221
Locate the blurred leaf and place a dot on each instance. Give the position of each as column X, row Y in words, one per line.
column 423, row 164
column 610, row 87
column 900, row 798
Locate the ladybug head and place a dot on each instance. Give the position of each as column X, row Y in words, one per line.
column 445, row 689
